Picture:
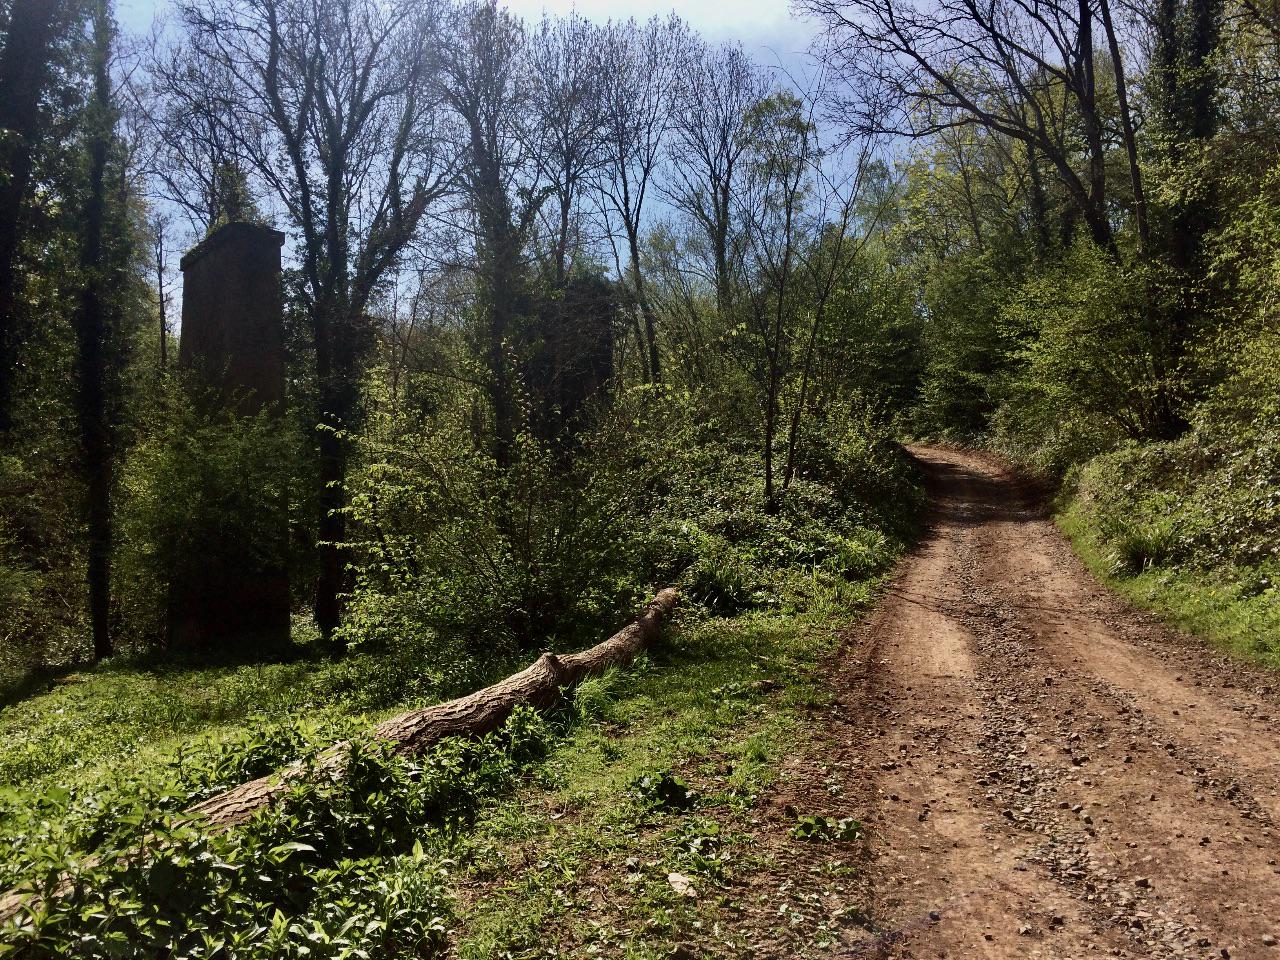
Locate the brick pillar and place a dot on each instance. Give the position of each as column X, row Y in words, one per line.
column 233, row 341
column 232, row 328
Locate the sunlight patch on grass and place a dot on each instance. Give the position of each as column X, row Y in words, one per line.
column 1240, row 622
column 582, row 861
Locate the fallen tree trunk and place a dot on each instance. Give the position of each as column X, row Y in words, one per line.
column 540, row 685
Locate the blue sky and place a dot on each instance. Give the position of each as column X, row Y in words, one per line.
column 765, row 27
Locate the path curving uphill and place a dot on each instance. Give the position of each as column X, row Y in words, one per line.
column 1049, row 772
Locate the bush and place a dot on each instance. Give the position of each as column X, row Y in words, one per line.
column 339, row 869
column 1209, row 500
column 1091, row 370
column 42, row 589
column 485, row 561
column 203, row 490
column 464, row 560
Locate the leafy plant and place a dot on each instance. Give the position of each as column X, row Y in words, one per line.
column 818, row 828
column 664, row 791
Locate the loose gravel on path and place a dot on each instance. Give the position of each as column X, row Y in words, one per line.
column 1043, row 770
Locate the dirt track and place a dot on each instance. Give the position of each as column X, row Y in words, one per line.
column 1050, row 773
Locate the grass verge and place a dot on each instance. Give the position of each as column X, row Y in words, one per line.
column 642, row 820
column 1235, row 616
column 654, row 828
column 125, row 716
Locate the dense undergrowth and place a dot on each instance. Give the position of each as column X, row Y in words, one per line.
column 1191, row 526
column 102, row 762
column 1188, row 527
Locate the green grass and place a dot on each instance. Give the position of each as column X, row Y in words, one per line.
column 1227, row 609
column 505, row 849
column 128, row 716
column 568, row 854
column 577, row 864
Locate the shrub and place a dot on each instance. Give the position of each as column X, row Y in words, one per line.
column 485, row 560
column 339, row 869
column 206, row 488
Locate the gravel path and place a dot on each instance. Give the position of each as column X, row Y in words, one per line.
column 1043, row 770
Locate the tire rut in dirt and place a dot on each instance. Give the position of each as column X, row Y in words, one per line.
column 1025, row 802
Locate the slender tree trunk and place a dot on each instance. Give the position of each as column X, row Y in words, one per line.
column 793, row 431
column 503, row 293
column 93, row 331
column 1096, row 208
column 770, row 429
column 504, row 405
column 24, row 73
column 1039, row 205
column 562, row 244
column 721, row 241
column 638, row 333
column 335, row 372
column 646, row 310
column 774, row 386
column 332, row 529
column 162, row 299
column 1126, row 126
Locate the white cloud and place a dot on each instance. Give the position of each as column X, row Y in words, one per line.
column 760, row 25
column 765, row 28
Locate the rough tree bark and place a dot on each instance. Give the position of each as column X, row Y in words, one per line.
column 25, row 69
column 93, row 325
column 542, row 684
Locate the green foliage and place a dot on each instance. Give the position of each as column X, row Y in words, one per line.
column 701, row 847
column 486, row 560
column 339, row 869
column 1091, row 354
column 1197, row 520
column 818, row 828
column 964, row 346
column 871, row 343
column 130, row 717
column 456, row 554
column 1204, row 500
column 202, row 488
column 664, row 791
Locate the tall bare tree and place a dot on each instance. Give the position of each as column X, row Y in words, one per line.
column 486, row 81
column 96, row 322
column 195, row 161
column 1023, row 68
column 644, row 65
column 335, row 114
column 568, row 94
column 782, row 145
column 722, row 85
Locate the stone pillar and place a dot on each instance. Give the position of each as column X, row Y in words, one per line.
column 232, row 341
column 232, row 328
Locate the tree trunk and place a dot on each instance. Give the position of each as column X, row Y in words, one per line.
column 337, row 347
column 1126, row 126
column 502, row 388
column 331, row 527
column 1096, row 207
column 24, row 73
column 93, row 331
column 162, row 300
column 646, row 310
column 1039, row 205
column 793, row 431
column 540, row 685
